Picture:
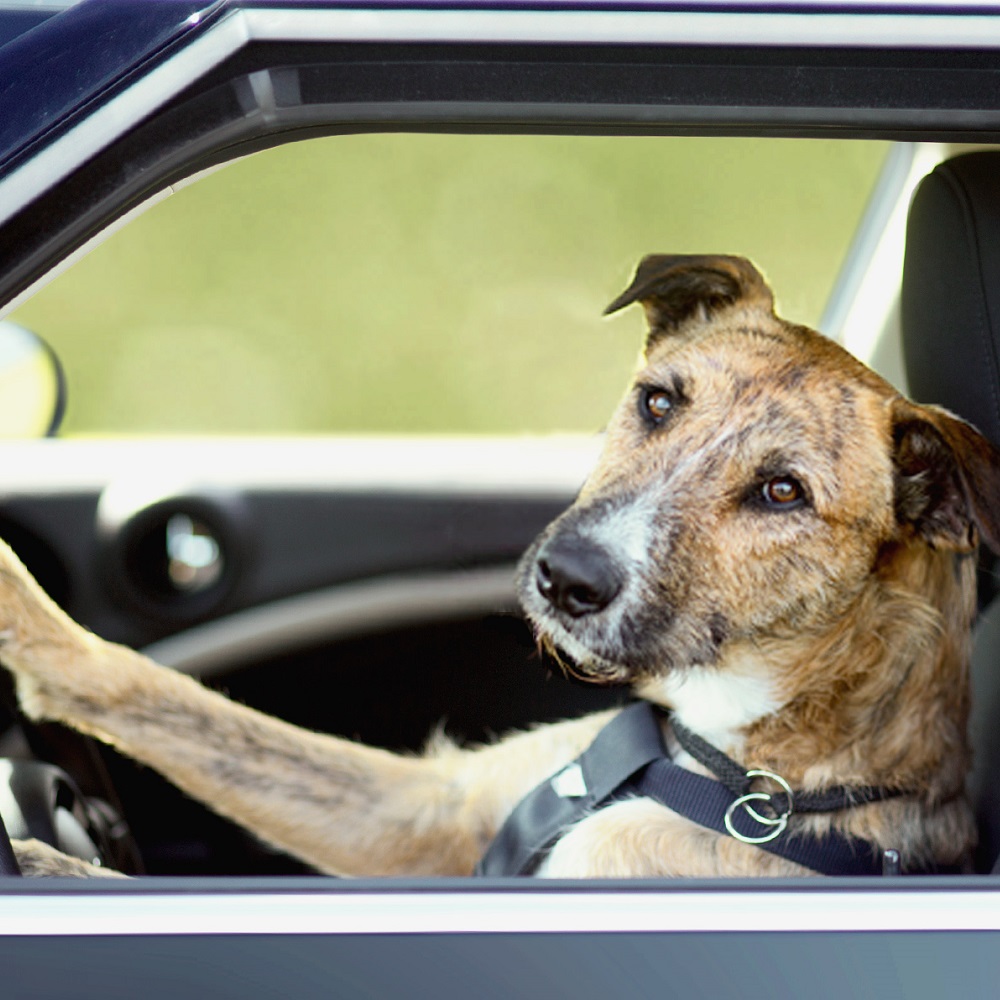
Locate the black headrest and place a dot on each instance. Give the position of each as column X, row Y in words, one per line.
column 951, row 290
column 951, row 342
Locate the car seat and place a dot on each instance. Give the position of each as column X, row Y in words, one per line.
column 950, row 315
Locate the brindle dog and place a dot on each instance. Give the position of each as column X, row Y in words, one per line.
column 774, row 543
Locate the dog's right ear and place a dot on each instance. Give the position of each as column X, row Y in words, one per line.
column 675, row 288
column 947, row 483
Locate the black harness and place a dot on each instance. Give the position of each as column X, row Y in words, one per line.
column 628, row 759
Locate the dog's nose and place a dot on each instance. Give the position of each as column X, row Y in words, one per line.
column 576, row 576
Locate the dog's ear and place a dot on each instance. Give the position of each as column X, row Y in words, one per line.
column 947, row 478
column 674, row 288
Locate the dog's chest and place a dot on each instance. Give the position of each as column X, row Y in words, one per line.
column 640, row 836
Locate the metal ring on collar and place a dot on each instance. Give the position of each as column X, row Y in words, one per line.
column 778, row 823
column 785, row 787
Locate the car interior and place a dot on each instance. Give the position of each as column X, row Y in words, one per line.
column 413, row 626
column 355, row 583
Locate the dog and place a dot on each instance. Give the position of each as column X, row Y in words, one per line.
column 775, row 545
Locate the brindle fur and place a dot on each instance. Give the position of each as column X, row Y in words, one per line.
column 847, row 619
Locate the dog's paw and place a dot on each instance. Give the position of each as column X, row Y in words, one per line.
column 24, row 606
column 40, row 644
column 39, row 860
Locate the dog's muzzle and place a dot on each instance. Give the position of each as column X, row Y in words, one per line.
column 576, row 576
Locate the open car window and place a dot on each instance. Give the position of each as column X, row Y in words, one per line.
column 415, row 284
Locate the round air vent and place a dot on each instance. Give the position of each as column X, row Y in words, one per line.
column 178, row 556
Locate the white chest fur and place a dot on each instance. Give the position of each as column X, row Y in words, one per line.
column 717, row 703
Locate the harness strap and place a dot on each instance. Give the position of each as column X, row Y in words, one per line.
column 629, row 742
column 707, row 802
column 628, row 759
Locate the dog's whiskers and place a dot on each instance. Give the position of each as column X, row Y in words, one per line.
column 546, row 647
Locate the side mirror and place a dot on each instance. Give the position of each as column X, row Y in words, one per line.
column 32, row 385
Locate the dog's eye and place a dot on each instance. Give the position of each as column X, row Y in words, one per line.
column 656, row 404
column 783, row 493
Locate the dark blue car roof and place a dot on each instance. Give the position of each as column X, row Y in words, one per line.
column 67, row 59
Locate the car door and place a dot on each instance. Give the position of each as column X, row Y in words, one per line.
column 345, row 366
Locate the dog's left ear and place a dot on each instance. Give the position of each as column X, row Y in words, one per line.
column 947, row 478
column 675, row 288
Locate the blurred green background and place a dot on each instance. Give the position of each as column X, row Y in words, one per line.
column 426, row 283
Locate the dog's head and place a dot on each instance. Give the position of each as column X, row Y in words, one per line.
column 751, row 481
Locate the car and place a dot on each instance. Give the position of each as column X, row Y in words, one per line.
column 338, row 549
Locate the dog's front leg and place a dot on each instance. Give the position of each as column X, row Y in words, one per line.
column 344, row 807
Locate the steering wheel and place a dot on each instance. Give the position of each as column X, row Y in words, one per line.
column 8, row 862
column 41, row 801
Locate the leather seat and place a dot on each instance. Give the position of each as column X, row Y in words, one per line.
column 950, row 314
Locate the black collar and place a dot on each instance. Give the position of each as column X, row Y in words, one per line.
column 739, row 781
column 628, row 759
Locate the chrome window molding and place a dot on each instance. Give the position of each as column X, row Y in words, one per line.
column 580, row 27
column 398, row 909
